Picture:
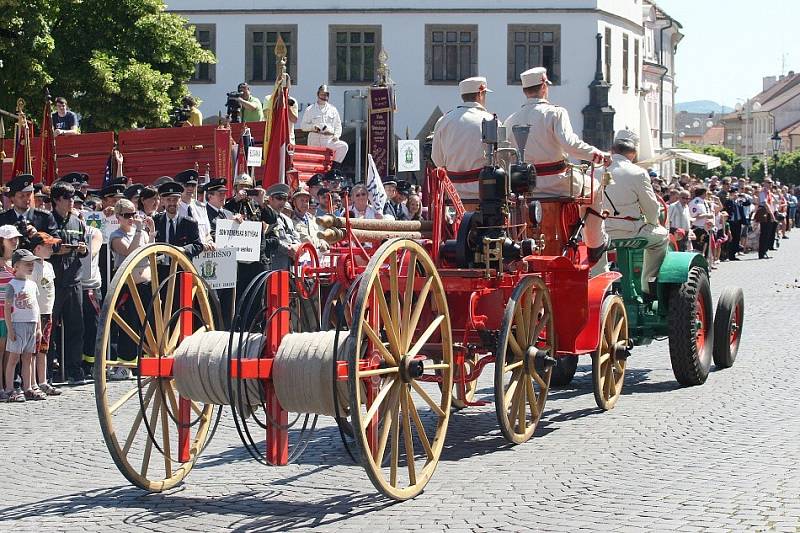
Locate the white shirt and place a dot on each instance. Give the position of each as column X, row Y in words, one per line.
column 25, row 303
column 698, row 207
column 457, row 142
column 551, row 138
column 90, row 265
column 44, row 277
column 631, row 195
column 199, row 214
column 322, row 115
column 679, row 217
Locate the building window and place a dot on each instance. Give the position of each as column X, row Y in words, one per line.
column 636, row 60
column 261, row 64
column 451, row 53
column 608, row 54
column 625, row 61
column 534, row 46
column 206, row 35
column 353, row 54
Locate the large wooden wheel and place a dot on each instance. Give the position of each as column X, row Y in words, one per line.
column 139, row 416
column 394, row 359
column 608, row 362
column 524, row 359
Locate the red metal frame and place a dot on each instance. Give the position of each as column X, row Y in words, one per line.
column 187, row 328
column 277, row 297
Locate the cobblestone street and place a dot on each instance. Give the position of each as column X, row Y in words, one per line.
column 718, row 457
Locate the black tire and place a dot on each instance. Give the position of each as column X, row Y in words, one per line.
column 564, row 370
column 728, row 321
column 690, row 346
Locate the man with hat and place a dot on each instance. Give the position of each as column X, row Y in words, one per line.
column 22, row 214
column 314, row 184
column 133, row 192
column 394, row 209
column 549, row 144
column 240, row 203
column 633, row 207
column 280, row 239
column 190, row 207
column 457, row 144
column 304, row 221
column 173, row 228
column 109, row 195
column 216, row 190
column 324, row 126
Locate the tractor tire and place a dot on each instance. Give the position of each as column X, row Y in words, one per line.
column 690, row 325
column 728, row 321
column 564, row 370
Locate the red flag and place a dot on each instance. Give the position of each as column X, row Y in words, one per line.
column 22, row 147
column 47, row 162
column 275, row 168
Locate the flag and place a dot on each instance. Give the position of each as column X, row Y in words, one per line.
column 22, row 147
column 275, row 166
column 47, row 163
column 377, row 194
column 109, row 173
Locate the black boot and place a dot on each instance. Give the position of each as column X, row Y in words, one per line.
column 594, row 254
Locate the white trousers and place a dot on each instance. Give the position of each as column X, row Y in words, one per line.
column 578, row 184
column 657, row 243
column 339, row 147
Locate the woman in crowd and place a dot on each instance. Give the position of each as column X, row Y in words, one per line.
column 414, row 206
column 133, row 233
column 148, row 201
column 360, row 207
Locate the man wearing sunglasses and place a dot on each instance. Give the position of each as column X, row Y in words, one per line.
column 281, row 240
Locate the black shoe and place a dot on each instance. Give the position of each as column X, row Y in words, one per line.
column 734, row 259
column 76, row 381
column 765, row 256
column 594, row 254
column 784, row 237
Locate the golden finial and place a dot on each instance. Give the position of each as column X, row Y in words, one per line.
column 20, row 105
column 383, row 67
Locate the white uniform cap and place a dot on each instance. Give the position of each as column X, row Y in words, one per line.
column 534, row 76
column 627, row 136
column 473, row 85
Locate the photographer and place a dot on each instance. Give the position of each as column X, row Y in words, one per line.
column 251, row 106
column 68, row 307
column 190, row 113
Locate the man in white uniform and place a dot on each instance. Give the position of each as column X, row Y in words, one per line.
column 457, row 144
column 633, row 207
column 550, row 143
column 324, row 126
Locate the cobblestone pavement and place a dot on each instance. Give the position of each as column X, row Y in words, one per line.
column 720, row 457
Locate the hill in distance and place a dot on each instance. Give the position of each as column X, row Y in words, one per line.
column 702, row 106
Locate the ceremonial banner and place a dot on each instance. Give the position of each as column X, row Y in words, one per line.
column 380, row 128
column 377, row 194
column 244, row 237
column 47, row 162
column 275, row 168
column 217, row 267
column 223, row 166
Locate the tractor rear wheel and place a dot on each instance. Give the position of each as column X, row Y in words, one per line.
column 690, row 326
column 564, row 370
column 728, row 322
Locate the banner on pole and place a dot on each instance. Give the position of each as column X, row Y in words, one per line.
column 244, row 237
column 377, row 194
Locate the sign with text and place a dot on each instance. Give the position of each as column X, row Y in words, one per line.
column 254, row 156
column 244, row 237
column 379, row 128
column 217, row 267
column 407, row 155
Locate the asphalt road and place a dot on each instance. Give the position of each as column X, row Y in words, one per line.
column 718, row 457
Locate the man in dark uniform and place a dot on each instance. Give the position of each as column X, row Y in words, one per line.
column 22, row 214
column 281, row 240
column 68, row 306
column 215, row 191
column 172, row 228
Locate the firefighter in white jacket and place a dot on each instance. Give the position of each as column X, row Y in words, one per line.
column 550, row 143
column 633, row 207
column 324, row 126
column 457, row 144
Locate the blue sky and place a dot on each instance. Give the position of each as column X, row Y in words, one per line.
column 729, row 45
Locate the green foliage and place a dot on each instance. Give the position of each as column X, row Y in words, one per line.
column 788, row 167
column 120, row 64
column 731, row 163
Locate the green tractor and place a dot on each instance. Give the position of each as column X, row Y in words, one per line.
column 680, row 312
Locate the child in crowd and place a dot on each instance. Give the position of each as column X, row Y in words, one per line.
column 9, row 240
column 22, row 323
column 43, row 275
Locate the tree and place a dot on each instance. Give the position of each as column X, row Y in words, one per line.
column 731, row 163
column 788, row 167
column 25, row 44
column 120, row 64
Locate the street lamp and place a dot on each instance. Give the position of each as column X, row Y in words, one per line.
column 776, row 147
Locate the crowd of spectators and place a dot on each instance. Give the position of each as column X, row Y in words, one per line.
column 724, row 218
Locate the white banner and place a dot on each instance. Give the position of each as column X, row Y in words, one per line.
column 407, row 155
column 244, row 237
column 377, row 194
column 217, row 267
column 254, row 156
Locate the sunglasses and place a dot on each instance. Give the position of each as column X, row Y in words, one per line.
column 280, row 196
column 127, row 216
column 360, row 194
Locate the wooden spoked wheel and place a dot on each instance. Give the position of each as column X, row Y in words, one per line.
column 141, row 419
column 470, row 387
column 524, row 359
column 394, row 360
column 608, row 366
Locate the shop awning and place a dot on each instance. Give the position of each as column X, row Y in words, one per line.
column 707, row 161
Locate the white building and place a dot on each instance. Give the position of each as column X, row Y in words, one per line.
column 431, row 47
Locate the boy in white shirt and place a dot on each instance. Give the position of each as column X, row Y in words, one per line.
column 22, row 322
column 43, row 275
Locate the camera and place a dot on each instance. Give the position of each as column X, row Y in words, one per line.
column 179, row 115
column 234, row 106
